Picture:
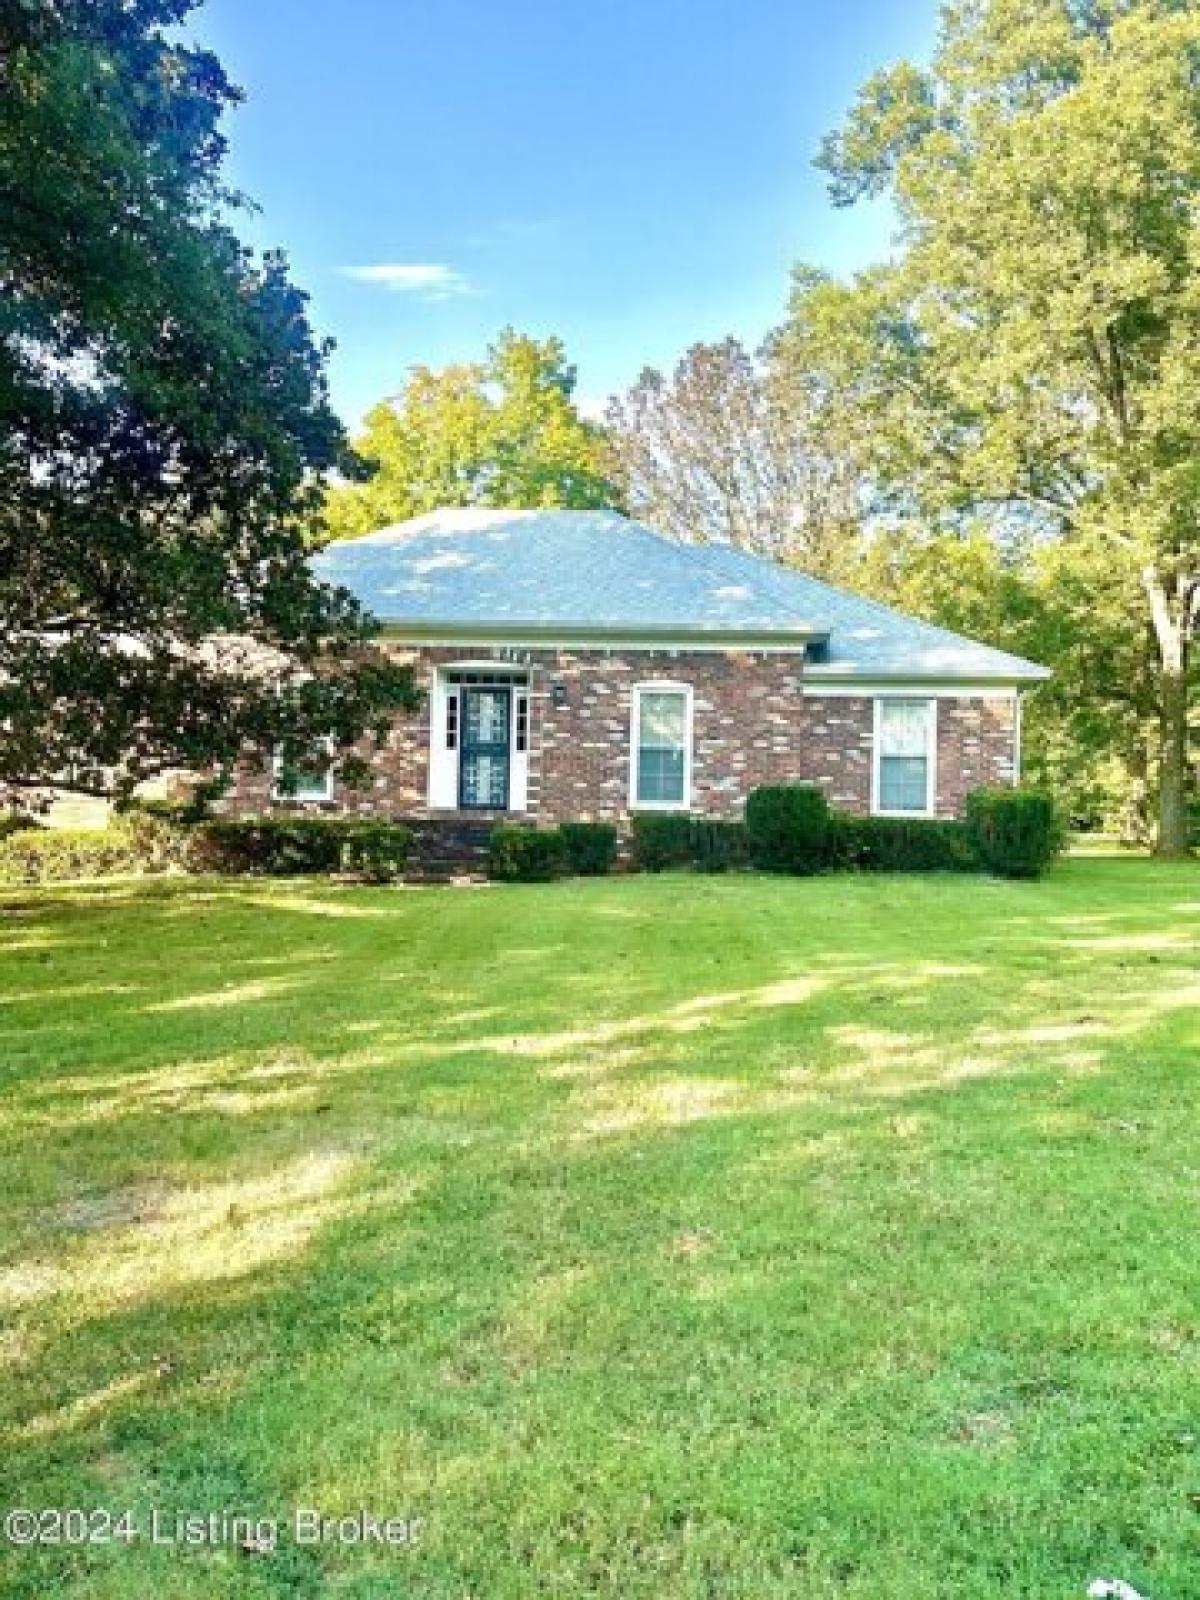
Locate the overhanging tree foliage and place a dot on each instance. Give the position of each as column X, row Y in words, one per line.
column 1032, row 353
column 164, row 424
column 502, row 432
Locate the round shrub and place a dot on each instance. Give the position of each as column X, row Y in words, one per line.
column 590, row 847
column 787, row 828
column 376, row 851
column 525, row 855
column 1015, row 833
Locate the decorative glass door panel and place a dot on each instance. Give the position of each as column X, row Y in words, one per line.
column 484, row 760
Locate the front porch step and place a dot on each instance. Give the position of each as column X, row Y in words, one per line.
column 448, row 847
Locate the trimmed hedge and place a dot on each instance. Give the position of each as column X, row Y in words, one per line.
column 376, row 851
column 666, row 839
column 142, row 841
column 898, row 844
column 787, row 828
column 1011, row 832
column 662, row 839
column 56, row 855
column 1014, row 833
column 158, row 841
column 134, row 842
column 284, row 847
column 719, row 846
column 273, row 847
column 590, row 848
column 525, row 855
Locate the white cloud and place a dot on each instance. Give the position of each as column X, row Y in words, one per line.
column 432, row 280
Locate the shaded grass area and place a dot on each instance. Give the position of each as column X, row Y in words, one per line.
column 649, row 1237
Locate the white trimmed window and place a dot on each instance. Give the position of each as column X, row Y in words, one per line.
column 905, row 750
column 308, row 782
column 662, row 747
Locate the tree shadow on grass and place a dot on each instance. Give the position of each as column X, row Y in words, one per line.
column 865, row 1290
column 831, row 1271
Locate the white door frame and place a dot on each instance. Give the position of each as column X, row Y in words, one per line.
column 444, row 758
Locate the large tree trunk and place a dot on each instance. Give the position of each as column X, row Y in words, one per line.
column 1171, row 614
column 1173, row 769
column 1136, row 826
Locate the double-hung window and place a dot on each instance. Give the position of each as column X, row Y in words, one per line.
column 905, row 735
column 662, row 746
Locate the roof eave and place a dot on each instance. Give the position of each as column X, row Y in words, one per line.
column 603, row 635
column 1027, row 676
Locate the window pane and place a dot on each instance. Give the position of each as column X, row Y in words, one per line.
column 660, row 777
column 904, row 727
column 662, row 757
column 487, row 716
column 664, row 719
column 902, row 783
column 311, row 786
column 307, row 780
column 484, row 780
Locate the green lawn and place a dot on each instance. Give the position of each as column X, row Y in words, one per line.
column 647, row 1237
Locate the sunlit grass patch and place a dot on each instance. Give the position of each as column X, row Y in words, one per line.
column 660, row 1237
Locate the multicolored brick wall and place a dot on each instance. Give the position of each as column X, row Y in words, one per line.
column 977, row 740
column 752, row 725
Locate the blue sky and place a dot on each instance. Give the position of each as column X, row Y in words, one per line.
column 632, row 175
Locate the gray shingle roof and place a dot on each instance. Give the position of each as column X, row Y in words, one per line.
column 592, row 573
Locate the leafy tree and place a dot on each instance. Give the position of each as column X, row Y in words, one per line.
column 1032, row 352
column 503, row 432
column 1088, row 733
column 163, row 424
column 1094, row 728
column 724, row 450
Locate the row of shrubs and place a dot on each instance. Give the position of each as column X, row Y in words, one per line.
column 536, row 855
column 281, row 847
column 144, row 841
column 786, row 838
column 791, row 828
column 53, row 855
column 1014, row 833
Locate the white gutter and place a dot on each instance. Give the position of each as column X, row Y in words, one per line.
column 541, row 636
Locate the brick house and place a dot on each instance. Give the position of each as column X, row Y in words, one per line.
column 580, row 665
